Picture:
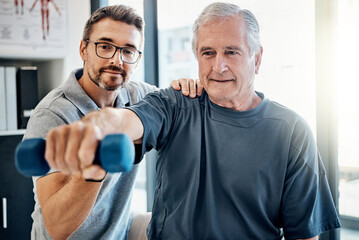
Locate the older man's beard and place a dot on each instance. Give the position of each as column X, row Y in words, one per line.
column 97, row 78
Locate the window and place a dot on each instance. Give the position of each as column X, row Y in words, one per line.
column 348, row 115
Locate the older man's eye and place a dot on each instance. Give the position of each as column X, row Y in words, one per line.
column 208, row 53
column 232, row 52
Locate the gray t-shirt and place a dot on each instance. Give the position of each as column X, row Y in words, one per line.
column 110, row 217
column 224, row 174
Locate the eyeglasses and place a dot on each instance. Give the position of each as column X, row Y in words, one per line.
column 107, row 51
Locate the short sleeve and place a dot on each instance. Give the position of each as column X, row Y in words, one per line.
column 156, row 112
column 307, row 205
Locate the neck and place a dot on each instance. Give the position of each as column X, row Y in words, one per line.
column 246, row 103
column 100, row 96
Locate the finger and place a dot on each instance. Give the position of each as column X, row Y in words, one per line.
column 60, row 149
column 50, row 149
column 89, row 142
column 199, row 87
column 73, row 144
column 175, row 85
column 184, row 86
column 192, row 88
column 94, row 172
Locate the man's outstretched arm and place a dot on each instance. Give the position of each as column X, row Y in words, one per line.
column 71, row 148
column 66, row 199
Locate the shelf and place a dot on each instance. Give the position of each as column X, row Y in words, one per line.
column 14, row 132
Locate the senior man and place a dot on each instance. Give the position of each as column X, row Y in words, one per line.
column 251, row 169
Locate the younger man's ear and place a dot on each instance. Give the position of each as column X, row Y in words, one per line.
column 139, row 59
column 83, row 52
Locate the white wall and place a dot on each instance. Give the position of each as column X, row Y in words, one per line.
column 78, row 13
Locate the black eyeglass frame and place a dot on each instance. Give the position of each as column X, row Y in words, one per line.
column 117, row 48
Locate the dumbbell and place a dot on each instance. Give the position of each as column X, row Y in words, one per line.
column 115, row 153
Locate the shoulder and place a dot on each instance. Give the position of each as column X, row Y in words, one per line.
column 294, row 125
column 41, row 121
column 141, row 88
column 53, row 110
column 172, row 97
column 136, row 90
column 276, row 111
column 55, row 101
column 302, row 140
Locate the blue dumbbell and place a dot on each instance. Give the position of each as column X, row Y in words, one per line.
column 115, row 153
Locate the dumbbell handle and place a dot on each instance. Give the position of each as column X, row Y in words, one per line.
column 115, row 153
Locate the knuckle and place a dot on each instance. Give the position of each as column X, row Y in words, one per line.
column 70, row 159
column 78, row 125
column 61, row 132
column 60, row 165
column 89, row 129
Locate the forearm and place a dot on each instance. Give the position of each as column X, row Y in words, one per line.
column 114, row 120
column 65, row 210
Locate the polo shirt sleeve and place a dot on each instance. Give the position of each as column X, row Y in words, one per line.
column 307, row 205
column 41, row 122
column 157, row 112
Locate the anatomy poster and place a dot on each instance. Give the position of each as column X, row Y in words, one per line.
column 33, row 28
